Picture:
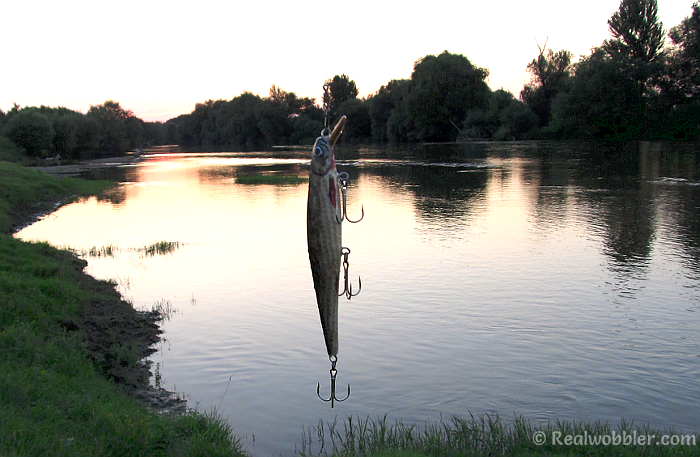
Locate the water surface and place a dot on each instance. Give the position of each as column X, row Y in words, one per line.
column 554, row 281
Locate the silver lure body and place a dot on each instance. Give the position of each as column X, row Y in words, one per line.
column 323, row 230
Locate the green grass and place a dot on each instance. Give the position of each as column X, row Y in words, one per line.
column 487, row 435
column 271, row 179
column 25, row 191
column 11, row 153
column 70, row 351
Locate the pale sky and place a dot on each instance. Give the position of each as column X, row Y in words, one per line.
column 159, row 58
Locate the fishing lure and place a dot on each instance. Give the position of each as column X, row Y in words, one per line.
column 326, row 210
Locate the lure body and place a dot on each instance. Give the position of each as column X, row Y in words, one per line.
column 323, row 230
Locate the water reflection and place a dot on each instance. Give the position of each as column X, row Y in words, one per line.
column 553, row 280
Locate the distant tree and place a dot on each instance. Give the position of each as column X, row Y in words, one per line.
column 289, row 103
column 359, row 126
column 600, row 102
column 685, row 56
column 342, row 89
column 681, row 85
column 113, row 120
column 135, row 132
column 242, row 128
column 637, row 46
column 284, row 101
column 306, row 127
column 30, row 130
column 549, row 73
column 636, row 31
column 88, row 135
column 504, row 118
column 443, row 89
column 382, row 104
column 65, row 140
column 155, row 133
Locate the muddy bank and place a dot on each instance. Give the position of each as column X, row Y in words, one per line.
column 75, row 169
column 117, row 337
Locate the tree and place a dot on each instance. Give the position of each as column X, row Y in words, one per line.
column 113, row 120
column 342, row 89
column 636, row 31
column 685, row 55
column 443, row 89
column 682, row 81
column 65, row 140
column 359, row 126
column 382, row 104
column 549, row 73
column 637, row 45
column 504, row 118
column 30, row 130
column 600, row 102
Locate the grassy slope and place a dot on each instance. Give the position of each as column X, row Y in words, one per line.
column 58, row 392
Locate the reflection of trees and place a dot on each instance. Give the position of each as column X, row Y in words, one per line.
column 115, row 196
column 676, row 170
column 444, row 196
column 629, row 225
column 685, row 218
column 605, row 181
column 210, row 174
column 626, row 210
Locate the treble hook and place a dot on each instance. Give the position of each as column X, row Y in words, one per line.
column 343, row 180
column 347, row 291
column 334, row 373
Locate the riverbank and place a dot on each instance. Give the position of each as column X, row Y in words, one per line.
column 71, row 350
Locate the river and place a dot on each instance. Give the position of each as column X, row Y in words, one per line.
column 549, row 280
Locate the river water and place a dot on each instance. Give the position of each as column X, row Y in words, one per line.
column 553, row 281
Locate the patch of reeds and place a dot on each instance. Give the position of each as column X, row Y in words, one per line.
column 102, row 251
column 164, row 308
column 488, row 435
column 160, row 248
column 149, row 250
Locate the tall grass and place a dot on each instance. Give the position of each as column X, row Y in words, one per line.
column 486, row 435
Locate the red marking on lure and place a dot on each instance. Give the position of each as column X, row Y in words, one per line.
column 331, row 190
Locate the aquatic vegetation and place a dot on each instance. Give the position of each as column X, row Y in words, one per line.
column 110, row 250
column 102, row 251
column 164, row 308
column 160, row 248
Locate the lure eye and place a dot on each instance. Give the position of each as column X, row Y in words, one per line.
column 318, row 151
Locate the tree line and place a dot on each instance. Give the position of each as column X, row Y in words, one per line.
column 633, row 86
column 106, row 130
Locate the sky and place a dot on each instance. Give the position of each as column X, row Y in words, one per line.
column 160, row 58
